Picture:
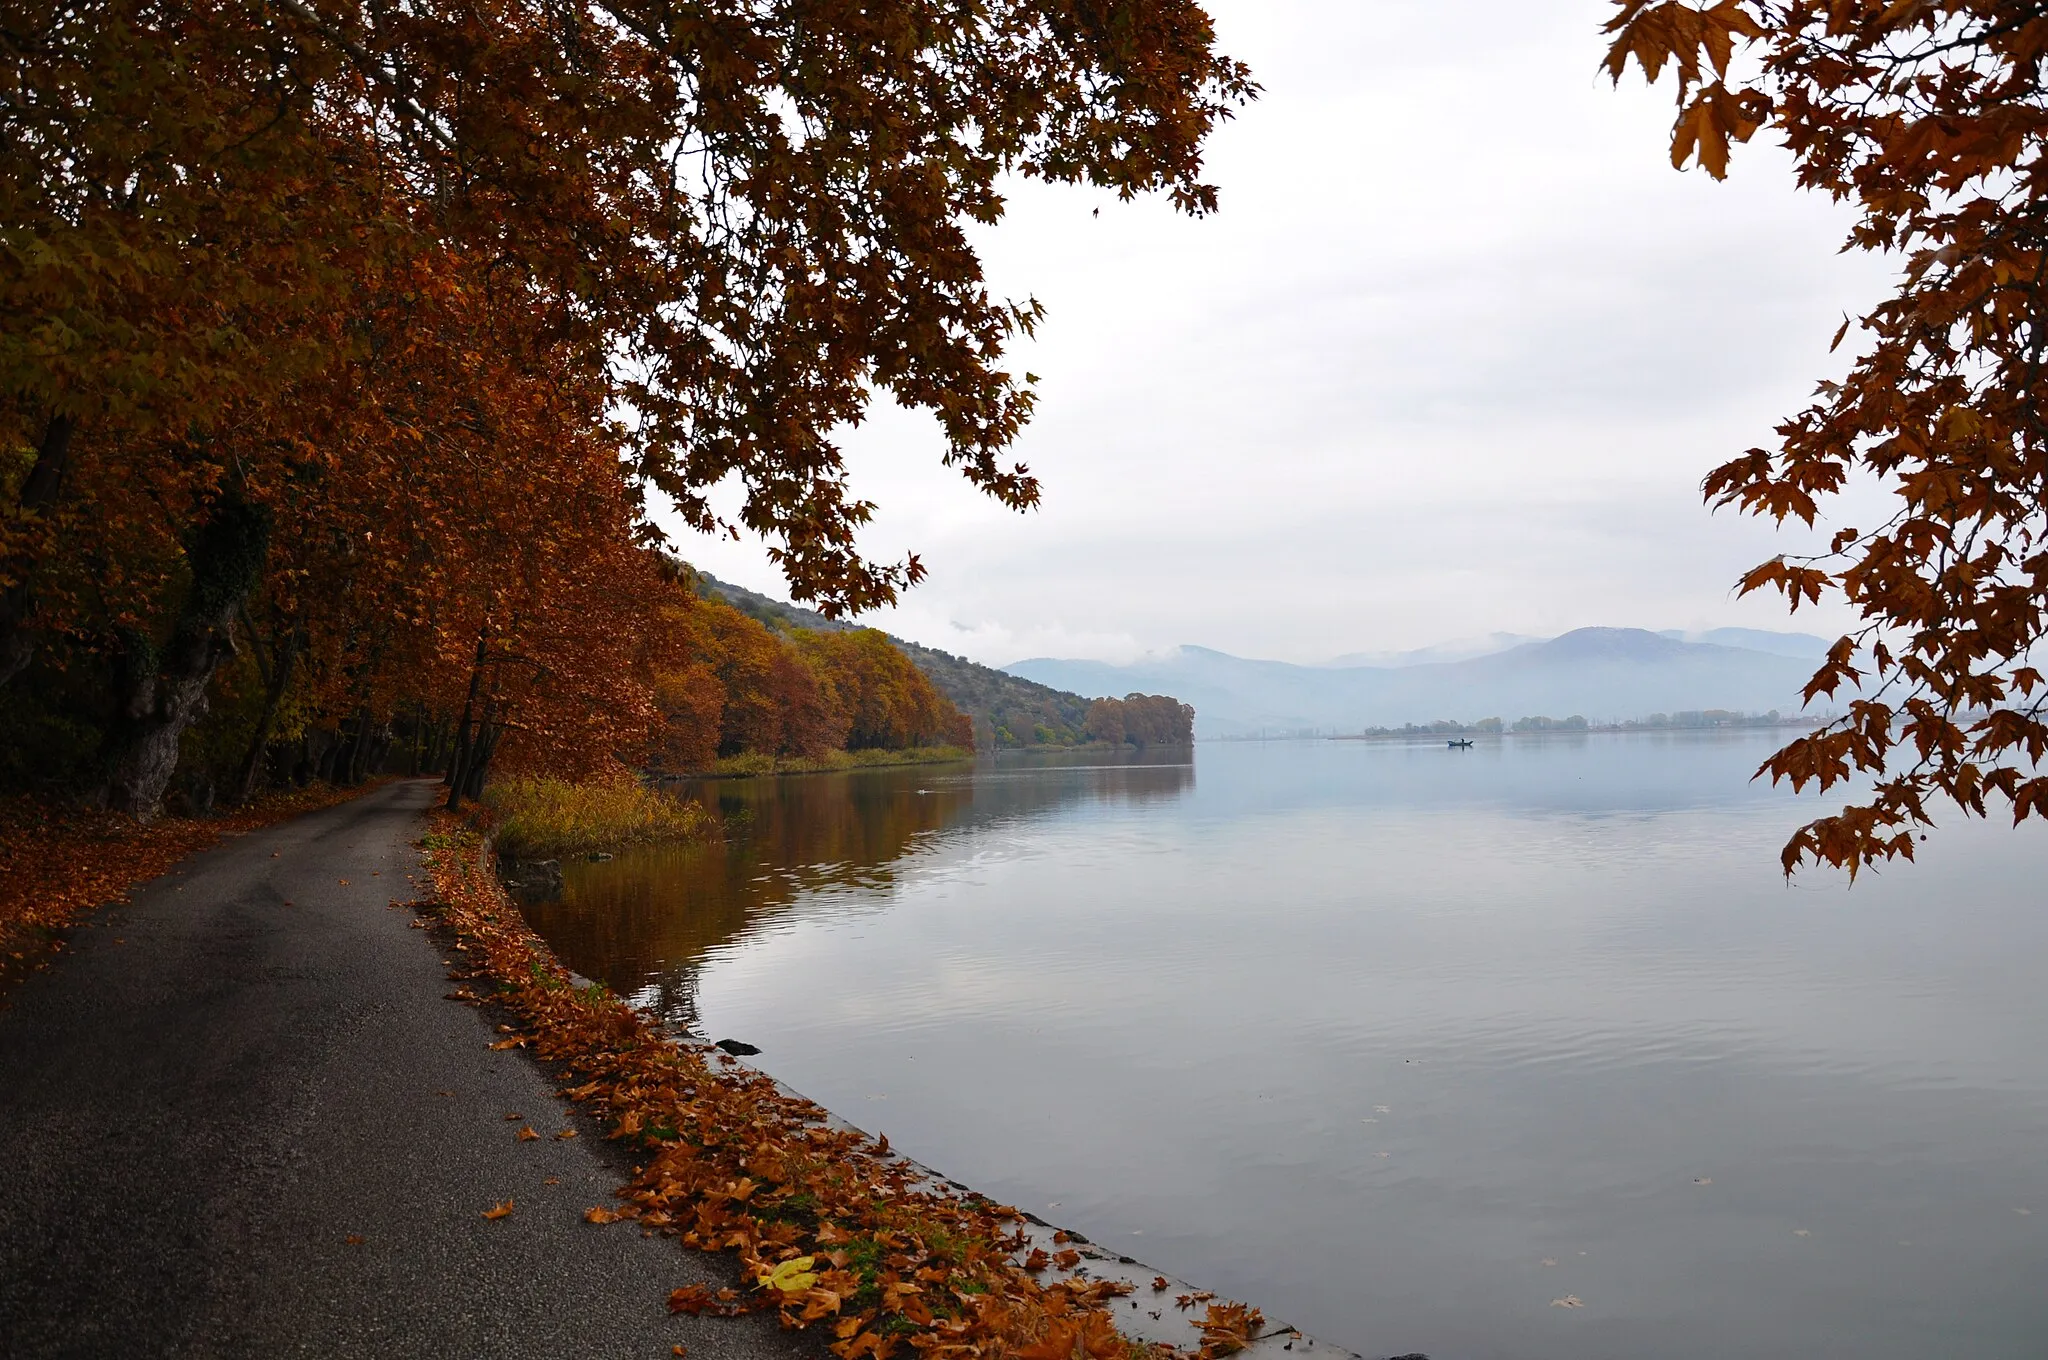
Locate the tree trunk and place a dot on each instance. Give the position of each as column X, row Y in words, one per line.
column 226, row 554
column 273, row 695
column 458, row 768
column 38, row 493
column 488, row 735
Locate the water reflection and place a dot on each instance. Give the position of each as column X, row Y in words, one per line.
column 644, row 923
column 1402, row 1044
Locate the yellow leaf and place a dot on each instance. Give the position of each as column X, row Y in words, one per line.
column 791, row 1277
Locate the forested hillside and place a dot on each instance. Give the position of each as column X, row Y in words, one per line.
column 1007, row 710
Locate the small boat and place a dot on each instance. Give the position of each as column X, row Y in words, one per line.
column 1459, row 744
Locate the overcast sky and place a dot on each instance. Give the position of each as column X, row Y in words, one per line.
column 1452, row 358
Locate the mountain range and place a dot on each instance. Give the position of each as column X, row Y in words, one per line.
column 1603, row 674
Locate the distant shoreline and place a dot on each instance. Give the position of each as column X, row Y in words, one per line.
column 1759, row 725
column 760, row 766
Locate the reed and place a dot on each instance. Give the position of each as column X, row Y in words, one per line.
column 543, row 818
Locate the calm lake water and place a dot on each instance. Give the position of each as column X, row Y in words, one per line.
column 1402, row 1044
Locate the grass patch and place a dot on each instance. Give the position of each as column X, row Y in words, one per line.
column 752, row 764
column 545, row 818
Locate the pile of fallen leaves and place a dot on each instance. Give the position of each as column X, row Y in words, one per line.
column 58, row 862
column 831, row 1228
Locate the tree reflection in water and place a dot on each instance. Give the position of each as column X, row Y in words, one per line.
column 643, row 923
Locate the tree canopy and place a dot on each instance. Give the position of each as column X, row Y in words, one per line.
column 342, row 347
column 1930, row 118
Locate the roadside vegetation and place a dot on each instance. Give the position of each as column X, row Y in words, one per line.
column 538, row 818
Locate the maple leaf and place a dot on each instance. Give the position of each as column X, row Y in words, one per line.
column 793, row 1276
column 696, row 1300
column 527, row 1135
column 1228, row 1328
column 499, row 1211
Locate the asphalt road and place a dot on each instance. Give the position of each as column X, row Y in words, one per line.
column 223, row 1083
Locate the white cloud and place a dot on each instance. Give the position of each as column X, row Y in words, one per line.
column 1453, row 358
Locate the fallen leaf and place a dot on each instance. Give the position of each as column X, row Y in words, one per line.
column 552, row 1180
column 527, row 1135
column 696, row 1300
column 1067, row 1260
column 1228, row 1328
column 343, row 882
column 792, row 1277
column 565, row 1134
column 1702, row 1180
column 600, row 1215
column 1160, row 1282
column 677, row 1349
column 510, row 1117
column 354, row 1239
column 500, row 1211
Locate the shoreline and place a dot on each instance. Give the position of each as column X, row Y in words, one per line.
column 837, row 762
column 816, row 1181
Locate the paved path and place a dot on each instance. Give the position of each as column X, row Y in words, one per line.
column 222, row 1083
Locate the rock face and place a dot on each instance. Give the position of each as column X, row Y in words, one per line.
column 531, row 880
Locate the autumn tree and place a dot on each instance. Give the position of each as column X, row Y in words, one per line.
column 271, row 271
column 1105, row 721
column 1141, row 720
column 1929, row 117
column 887, row 702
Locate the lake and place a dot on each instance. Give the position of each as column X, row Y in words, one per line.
column 1404, row 1044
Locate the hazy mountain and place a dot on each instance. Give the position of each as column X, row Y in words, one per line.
column 1600, row 673
column 1805, row 646
column 1458, row 649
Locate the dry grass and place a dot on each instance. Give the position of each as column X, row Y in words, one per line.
column 542, row 818
column 751, row 764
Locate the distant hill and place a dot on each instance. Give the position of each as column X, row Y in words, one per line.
column 1805, row 646
column 1007, row 709
column 1603, row 674
column 1460, row 649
